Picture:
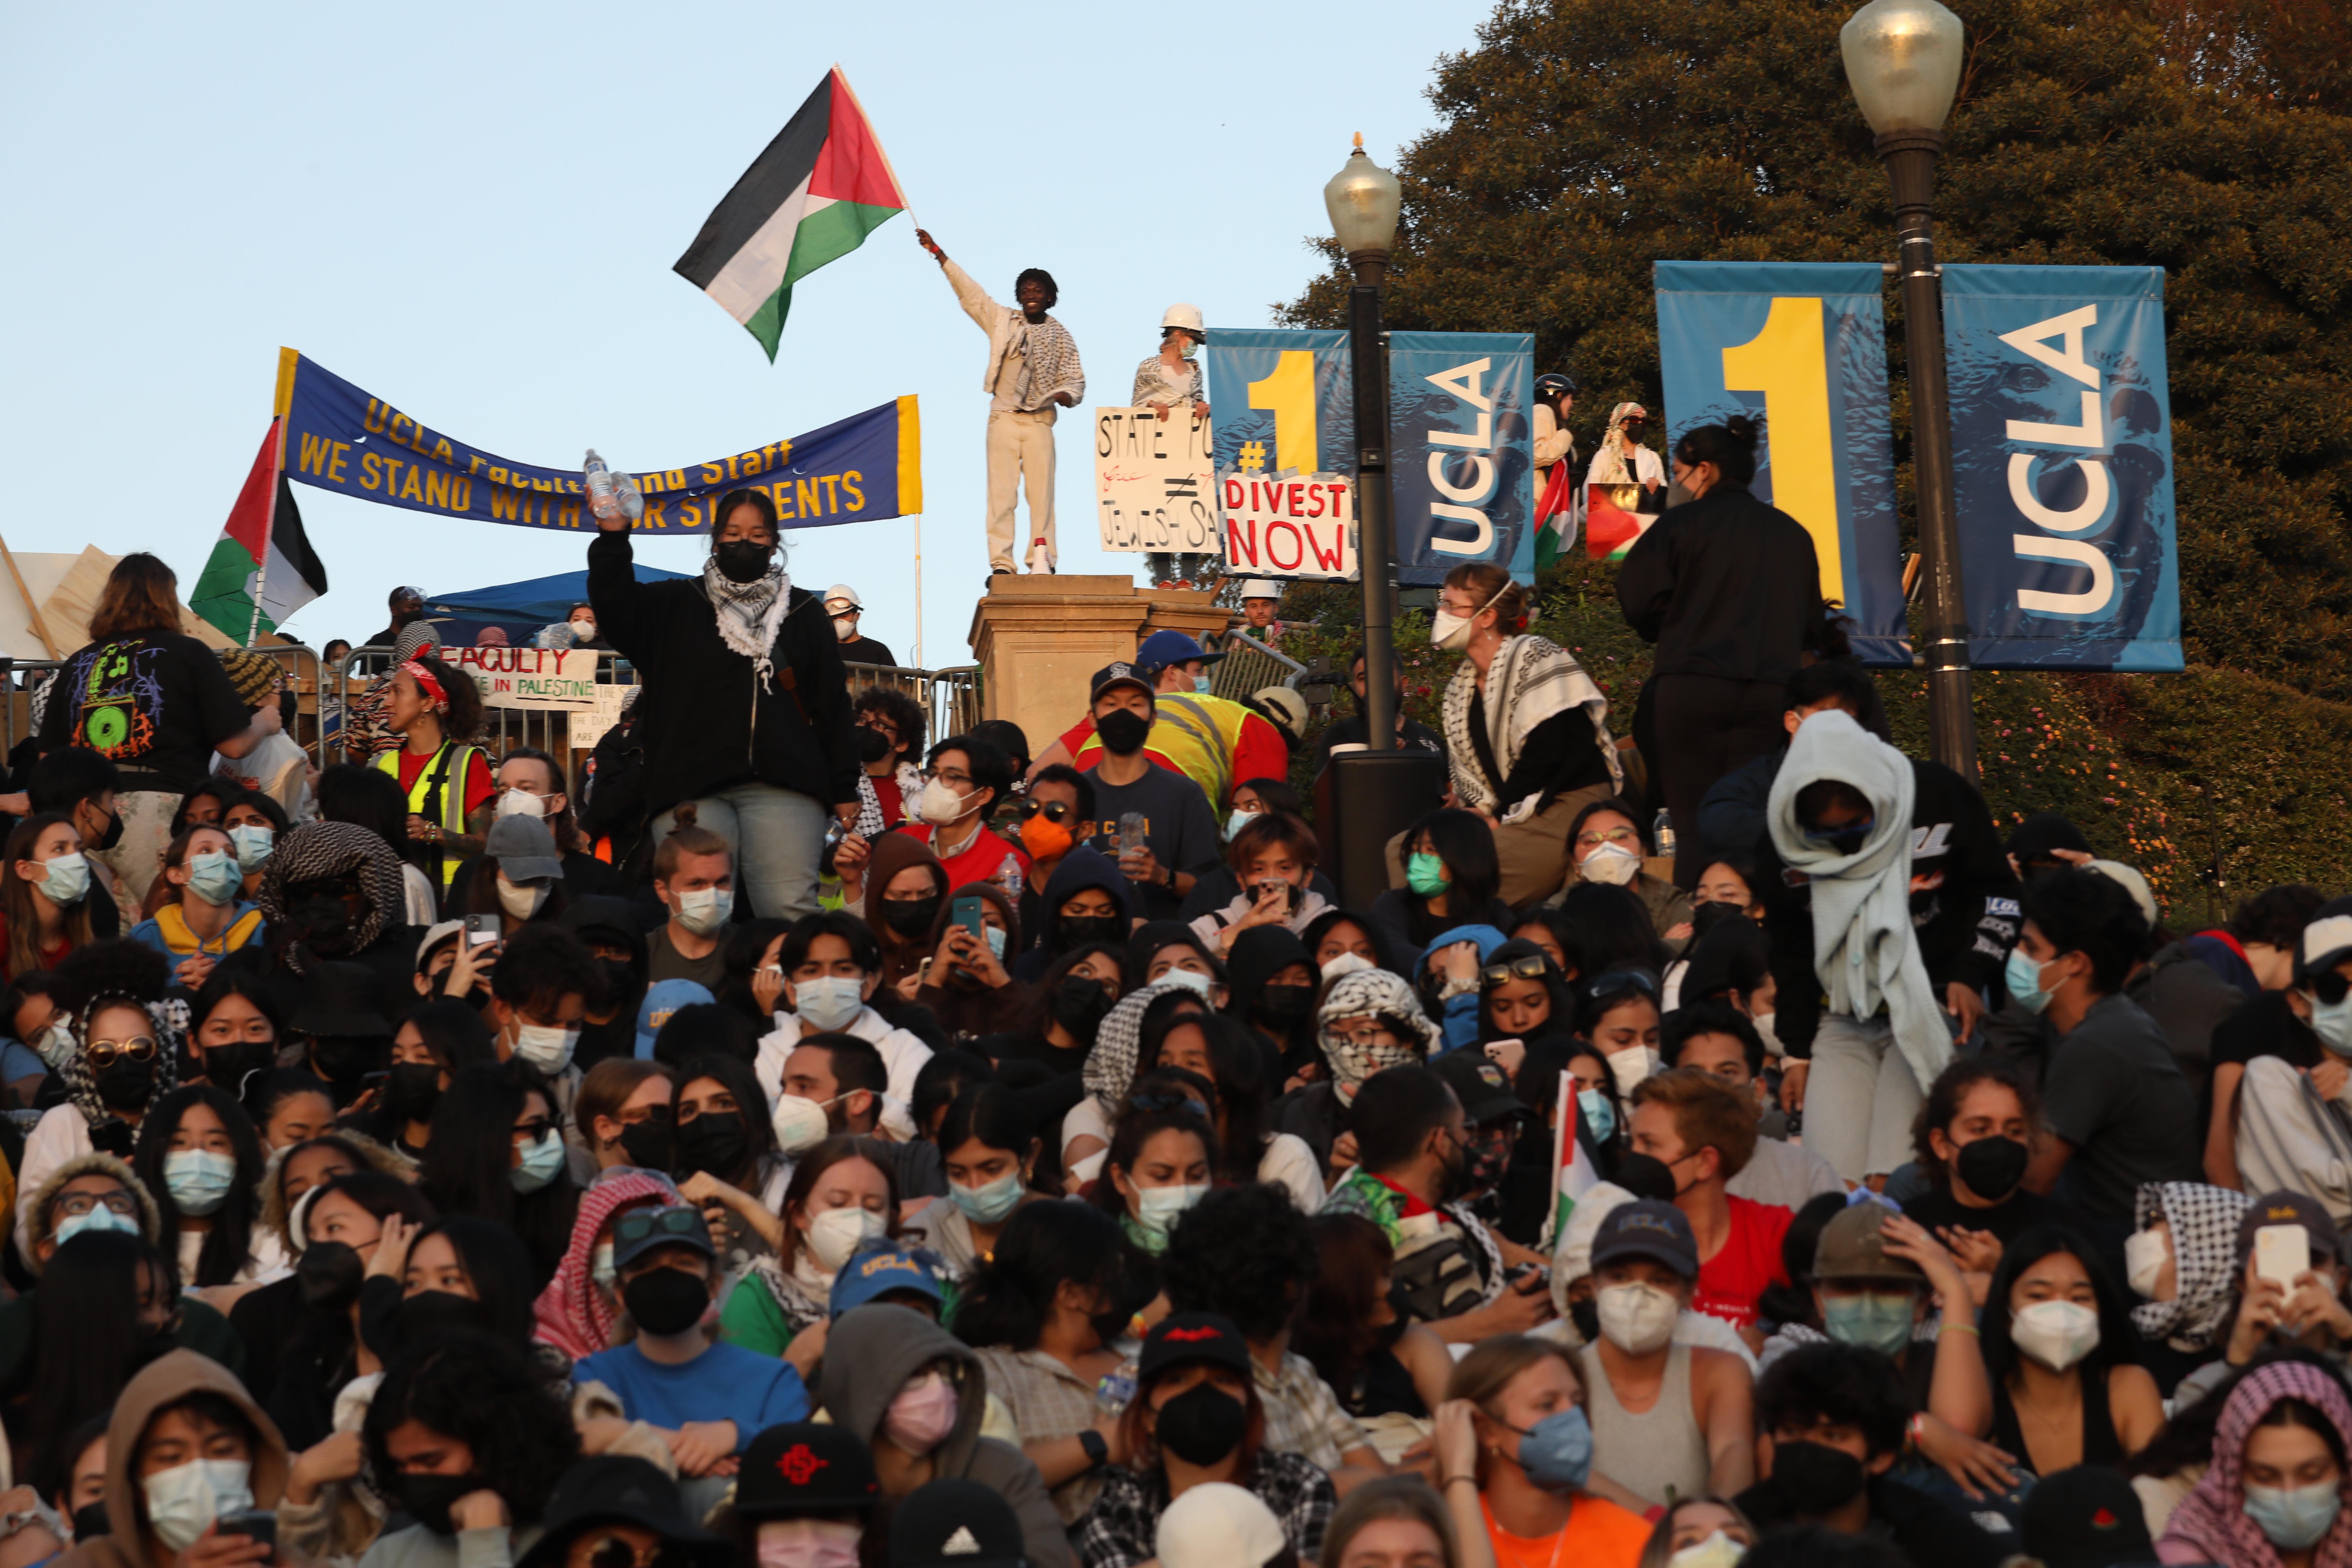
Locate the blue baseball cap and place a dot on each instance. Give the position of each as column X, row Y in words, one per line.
column 877, row 1271
column 663, row 998
column 1163, row 649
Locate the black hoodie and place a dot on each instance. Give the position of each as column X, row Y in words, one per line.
column 705, row 727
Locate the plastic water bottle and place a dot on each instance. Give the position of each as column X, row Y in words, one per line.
column 1116, row 1390
column 602, row 499
column 625, row 490
column 1662, row 833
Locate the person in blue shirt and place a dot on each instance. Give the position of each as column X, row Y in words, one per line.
column 709, row 1398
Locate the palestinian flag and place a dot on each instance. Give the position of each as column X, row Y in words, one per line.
column 1574, row 1170
column 822, row 186
column 263, row 553
column 1611, row 521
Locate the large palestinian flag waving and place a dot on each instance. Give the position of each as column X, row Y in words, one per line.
column 262, row 554
column 820, row 187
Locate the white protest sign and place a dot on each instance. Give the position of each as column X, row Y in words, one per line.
column 1288, row 525
column 1154, row 481
column 531, row 677
column 590, row 724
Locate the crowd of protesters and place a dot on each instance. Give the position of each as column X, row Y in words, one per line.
column 909, row 1152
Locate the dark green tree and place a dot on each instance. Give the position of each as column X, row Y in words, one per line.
column 1583, row 140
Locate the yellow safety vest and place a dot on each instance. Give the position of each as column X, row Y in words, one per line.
column 439, row 793
column 1195, row 731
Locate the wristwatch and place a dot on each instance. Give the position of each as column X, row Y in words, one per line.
column 1097, row 1452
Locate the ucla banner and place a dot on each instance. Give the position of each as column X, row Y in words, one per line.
column 1461, row 452
column 338, row 437
column 1802, row 347
column 2062, row 440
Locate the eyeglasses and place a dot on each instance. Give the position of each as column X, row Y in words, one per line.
column 102, row 1054
column 121, row 1202
column 954, row 780
column 637, row 1224
column 1596, row 837
column 1531, row 967
column 1618, row 980
column 1051, row 810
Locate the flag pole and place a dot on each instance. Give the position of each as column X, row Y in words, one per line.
column 261, row 573
column 918, row 592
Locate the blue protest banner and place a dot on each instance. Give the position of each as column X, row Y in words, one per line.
column 2062, row 440
column 1803, row 345
column 1461, row 452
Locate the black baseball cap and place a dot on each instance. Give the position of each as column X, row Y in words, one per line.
column 1118, row 674
column 640, row 1230
column 955, row 1524
column 1648, row 1228
column 2086, row 1517
column 1193, row 1336
column 617, row 1489
column 805, row 1467
column 1483, row 1088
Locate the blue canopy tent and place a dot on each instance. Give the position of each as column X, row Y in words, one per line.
column 520, row 608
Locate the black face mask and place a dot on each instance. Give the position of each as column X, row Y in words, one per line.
column 1079, row 1002
column 1586, row 1316
column 123, row 1084
column 430, row 1498
column 1816, row 1478
column 227, row 1067
column 873, row 745
column 1992, row 1167
column 715, row 1142
column 910, row 917
column 616, row 978
column 435, row 1312
column 1285, row 1004
column 1122, row 732
column 340, row 1059
column 666, row 1300
column 1645, row 1176
column 1203, row 1425
column 89, row 1521
column 390, row 1321
column 744, row 560
column 322, row 926
column 411, row 1090
column 649, row 1144
column 111, row 836
column 329, row 1276
column 1076, row 931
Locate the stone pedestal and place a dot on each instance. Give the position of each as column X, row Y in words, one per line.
column 1039, row 639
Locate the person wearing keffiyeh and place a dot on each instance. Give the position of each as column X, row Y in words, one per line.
column 2275, row 1492
column 1033, row 370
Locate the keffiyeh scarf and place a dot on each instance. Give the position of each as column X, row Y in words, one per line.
column 2212, row 1520
column 750, row 614
column 1111, row 1065
column 1614, row 464
column 1372, row 993
column 2205, row 1260
column 317, row 850
column 171, row 1022
column 1528, row 681
column 1049, row 363
column 572, row 1313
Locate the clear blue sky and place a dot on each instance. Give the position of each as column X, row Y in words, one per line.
column 471, row 210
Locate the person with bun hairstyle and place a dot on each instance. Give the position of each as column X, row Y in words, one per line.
column 1728, row 587
column 1527, row 731
column 436, row 710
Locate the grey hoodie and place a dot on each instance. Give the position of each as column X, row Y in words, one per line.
column 870, row 1354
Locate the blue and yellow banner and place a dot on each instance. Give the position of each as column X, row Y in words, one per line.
column 2062, row 457
column 337, row 437
column 1801, row 347
column 1462, row 452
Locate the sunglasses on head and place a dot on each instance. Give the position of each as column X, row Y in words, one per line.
column 637, row 1224
column 1619, row 980
column 1531, row 967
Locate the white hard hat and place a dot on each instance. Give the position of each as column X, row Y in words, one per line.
column 840, row 592
column 1261, row 588
column 1185, row 316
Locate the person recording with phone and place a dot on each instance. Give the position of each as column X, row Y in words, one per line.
column 1273, row 857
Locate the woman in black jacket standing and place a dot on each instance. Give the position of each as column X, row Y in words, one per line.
column 746, row 712
column 1729, row 589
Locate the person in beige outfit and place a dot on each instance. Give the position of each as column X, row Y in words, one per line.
column 1033, row 370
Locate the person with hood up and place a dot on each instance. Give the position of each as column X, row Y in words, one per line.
column 1368, row 1021
column 917, row 1397
column 579, row 1313
column 1843, row 809
column 2183, row 1262
column 332, row 894
column 1087, row 898
column 747, row 709
column 904, row 891
column 186, row 1448
column 969, row 986
column 1110, row 1073
column 2274, row 1494
column 1449, row 985
column 1271, row 982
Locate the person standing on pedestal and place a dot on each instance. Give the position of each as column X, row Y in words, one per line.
column 1033, row 368
column 1169, row 380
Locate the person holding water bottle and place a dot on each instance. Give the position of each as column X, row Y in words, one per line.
column 746, row 713
column 1155, row 822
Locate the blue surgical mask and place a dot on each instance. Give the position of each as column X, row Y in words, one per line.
column 830, row 1002
column 991, row 1201
column 1556, row 1452
column 1201, row 683
column 1599, row 1116
column 100, row 1218
column 198, row 1180
column 1190, row 978
column 1238, row 821
column 1156, row 1210
column 995, row 941
column 1873, row 1319
column 253, row 843
column 2333, row 1024
column 214, row 876
column 66, row 879
column 2023, row 978
column 541, row 1162
column 2294, row 1518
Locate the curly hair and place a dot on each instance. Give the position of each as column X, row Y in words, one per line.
column 1244, row 1253
column 488, row 1395
column 1942, row 1105
column 1848, row 1385
column 904, row 712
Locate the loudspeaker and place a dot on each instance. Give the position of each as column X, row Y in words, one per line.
column 1362, row 800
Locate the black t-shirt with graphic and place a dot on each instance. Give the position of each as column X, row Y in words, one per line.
column 156, row 704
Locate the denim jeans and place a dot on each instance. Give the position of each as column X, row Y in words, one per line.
column 776, row 836
column 1861, row 1097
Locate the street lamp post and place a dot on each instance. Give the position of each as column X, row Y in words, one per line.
column 1364, row 201
column 1903, row 62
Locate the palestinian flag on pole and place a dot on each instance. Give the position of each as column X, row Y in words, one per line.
column 822, row 186
column 1574, row 1170
column 263, row 568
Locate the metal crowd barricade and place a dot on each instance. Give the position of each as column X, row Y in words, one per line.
column 21, row 676
column 949, row 698
column 1248, row 666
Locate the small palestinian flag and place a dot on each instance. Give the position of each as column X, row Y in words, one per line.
column 822, row 186
column 1574, row 1169
column 262, row 552
column 1611, row 523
